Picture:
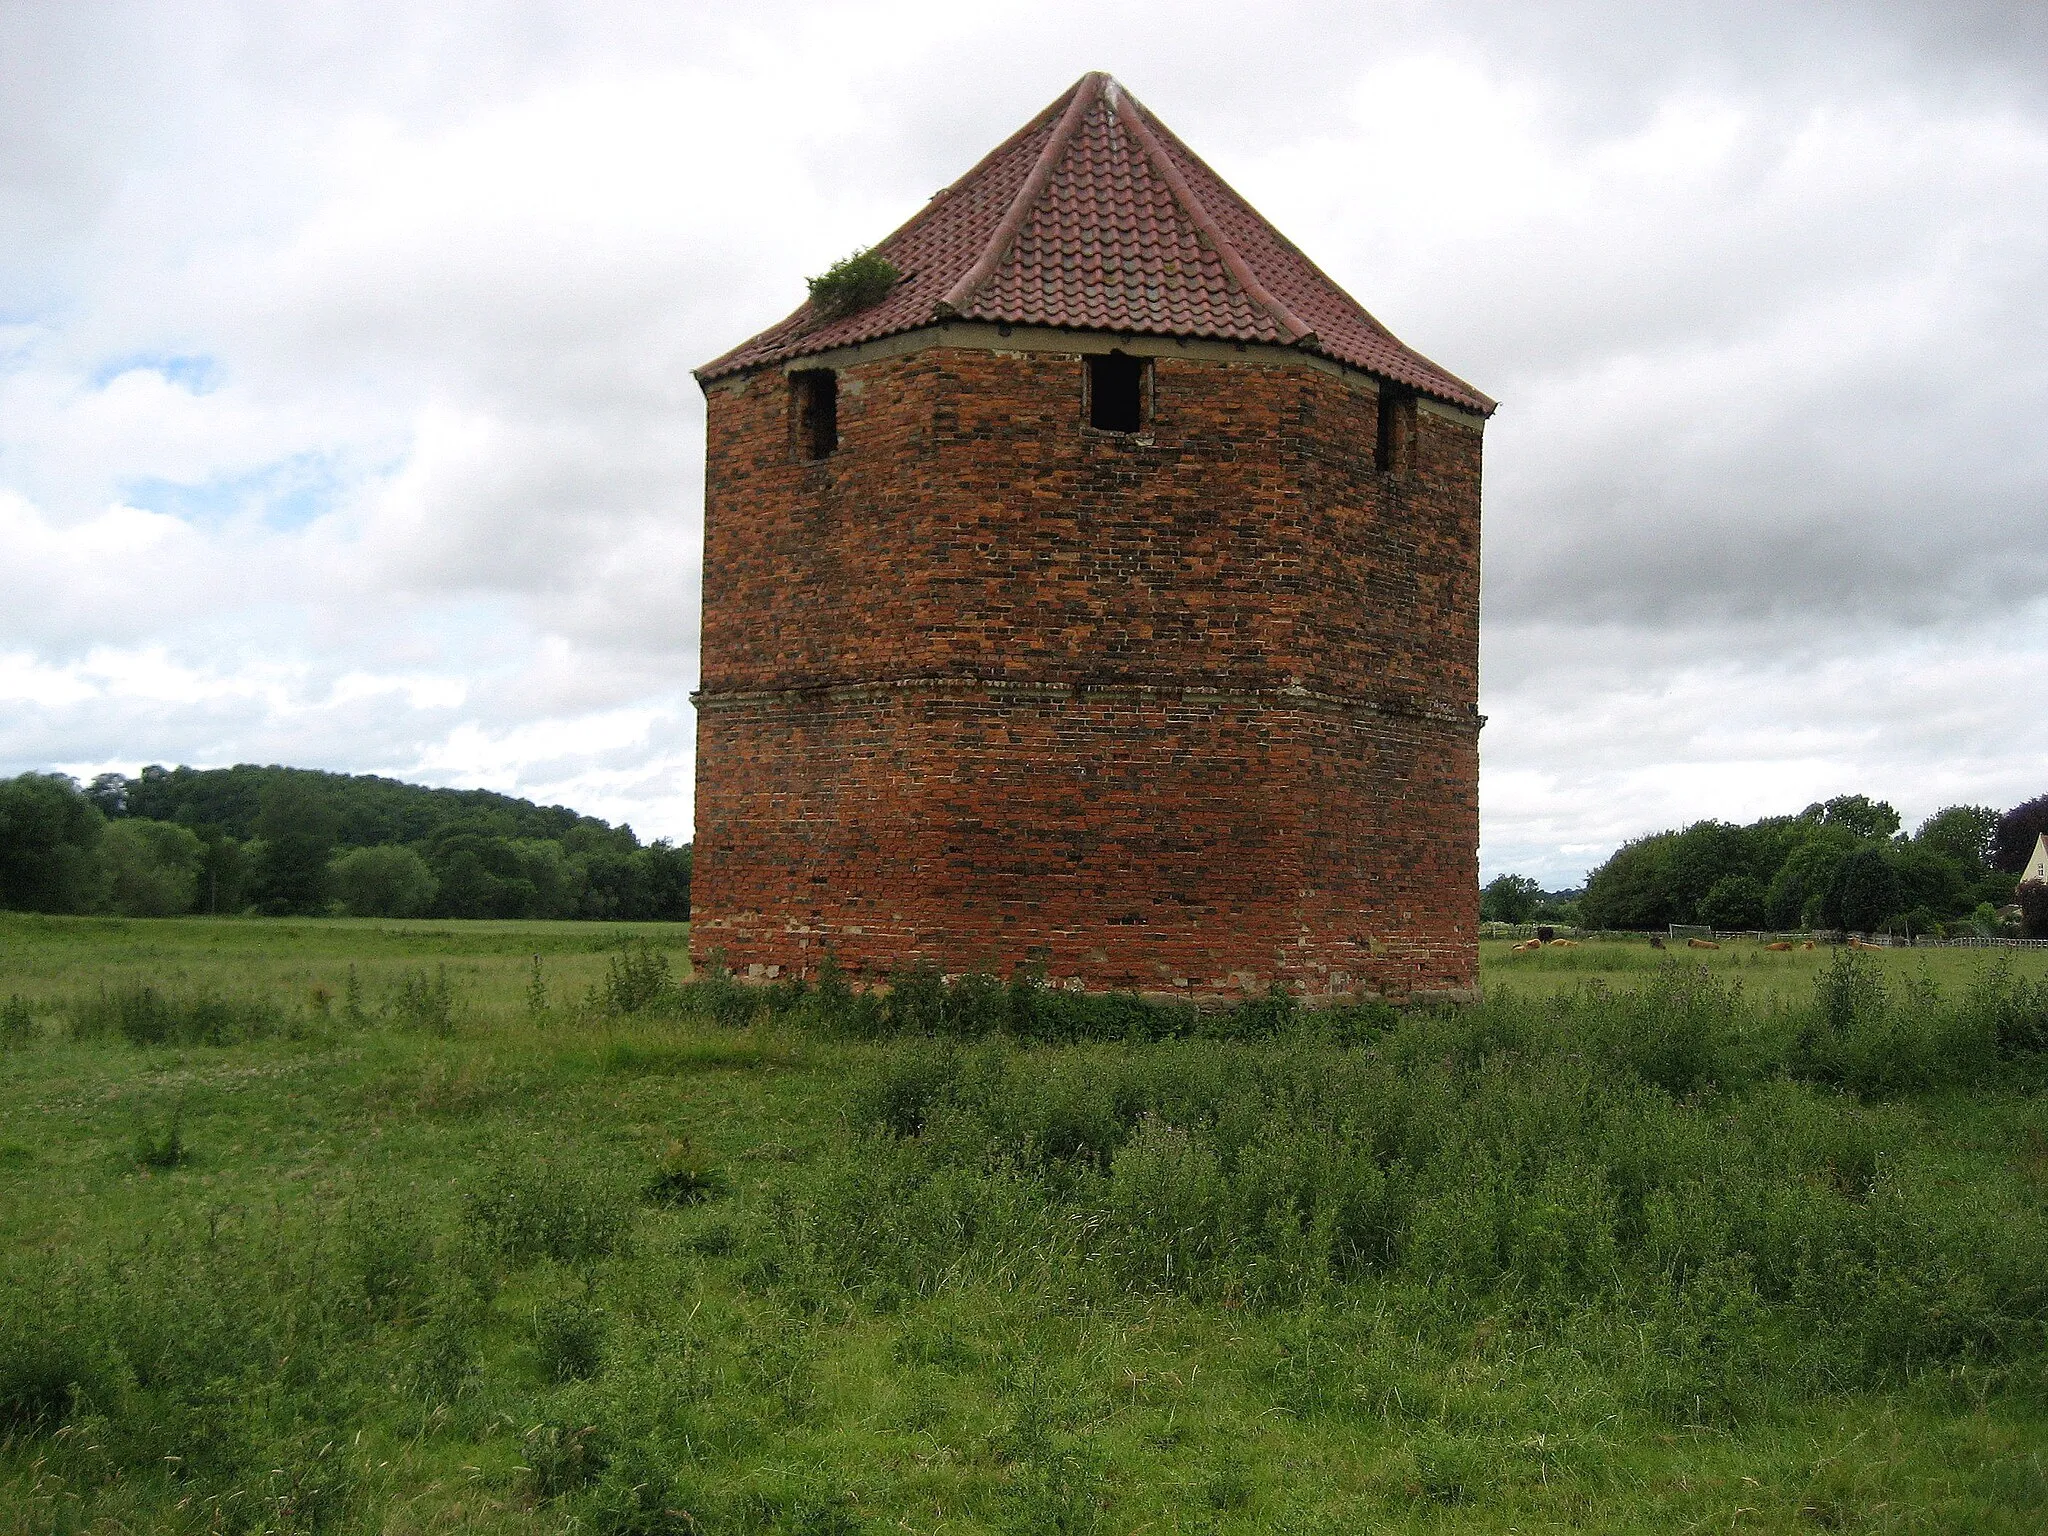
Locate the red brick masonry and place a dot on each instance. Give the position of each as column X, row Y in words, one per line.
column 1189, row 711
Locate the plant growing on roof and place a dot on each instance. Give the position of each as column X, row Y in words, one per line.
column 852, row 284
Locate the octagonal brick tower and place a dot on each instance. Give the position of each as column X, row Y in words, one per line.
column 1104, row 598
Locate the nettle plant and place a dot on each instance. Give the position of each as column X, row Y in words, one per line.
column 852, row 284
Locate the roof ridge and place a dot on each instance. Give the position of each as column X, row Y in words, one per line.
column 1096, row 216
column 1292, row 327
column 1085, row 93
column 1181, row 147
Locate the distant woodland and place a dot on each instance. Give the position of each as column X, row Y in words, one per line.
column 282, row 841
column 1841, row 864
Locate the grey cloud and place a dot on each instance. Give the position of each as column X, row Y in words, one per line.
column 1768, row 435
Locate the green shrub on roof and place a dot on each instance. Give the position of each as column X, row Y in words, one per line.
column 852, row 284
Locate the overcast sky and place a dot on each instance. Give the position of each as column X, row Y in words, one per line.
column 346, row 417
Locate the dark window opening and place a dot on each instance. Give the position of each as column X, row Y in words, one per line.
column 817, row 412
column 1116, row 393
column 1397, row 424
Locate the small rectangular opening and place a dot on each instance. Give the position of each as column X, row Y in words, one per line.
column 815, row 393
column 1396, row 426
column 1116, row 392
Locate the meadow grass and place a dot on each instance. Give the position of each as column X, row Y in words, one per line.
column 1763, row 975
column 1628, row 1247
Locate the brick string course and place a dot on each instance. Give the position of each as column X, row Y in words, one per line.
column 1191, row 712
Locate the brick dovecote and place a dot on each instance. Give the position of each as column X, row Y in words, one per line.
column 1190, row 711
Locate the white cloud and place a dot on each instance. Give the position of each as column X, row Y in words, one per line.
column 346, row 417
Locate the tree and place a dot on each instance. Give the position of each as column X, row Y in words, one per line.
column 151, row 867
column 1932, row 884
column 1705, row 855
column 224, row 872
column 2033, row 900
column 109, row 791
column 668, row 881
column 1735, row 902
column 1859, row 815
column 297, row 827
column 2012, row 841
column 1867, row 891
column 618, row 886
column 1509, row 899
column 385, row 881
column 1962, row 835
column 49, row 833
column 1633, row 888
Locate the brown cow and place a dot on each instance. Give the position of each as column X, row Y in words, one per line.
column 1779, row 948
column 1701, row 944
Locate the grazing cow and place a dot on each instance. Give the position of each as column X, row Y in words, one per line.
column 1701, row 944
column 1779, row 948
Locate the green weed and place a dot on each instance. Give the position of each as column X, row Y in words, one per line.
column 17, row 1024
column 1643, row 1251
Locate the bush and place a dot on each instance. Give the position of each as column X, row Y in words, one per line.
column 151, row 867
column 386, row 881
column 851, row 284
column 142, row 1015
column 685, row 1177
column 17, row 1024
column 529, row 1206
column 387, row 1257
column 568, row 1337
column 563, row 1454
column 637, row 979
column 2032, row 899
column 424, row 1002
column 162, row 1147
column 55, row 1350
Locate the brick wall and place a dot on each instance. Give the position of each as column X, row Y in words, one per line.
column 1189, row 712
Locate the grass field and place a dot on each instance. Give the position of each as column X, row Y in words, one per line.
column 1764, row 976
column 482, row 1242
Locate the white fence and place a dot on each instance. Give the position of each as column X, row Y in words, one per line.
column 1772, row 936
column 1681, row 932
column 1882, row 940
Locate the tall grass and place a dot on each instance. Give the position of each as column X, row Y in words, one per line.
column 238, row 1358
column 1668, row 1155
column 1720, row 1212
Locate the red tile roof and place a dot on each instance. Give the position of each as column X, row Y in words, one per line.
column 1095, row 217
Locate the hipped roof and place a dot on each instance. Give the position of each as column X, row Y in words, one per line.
column 1095, row 217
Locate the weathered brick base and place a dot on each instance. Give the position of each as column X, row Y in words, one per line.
column 1186, row 845
column 1189, row 710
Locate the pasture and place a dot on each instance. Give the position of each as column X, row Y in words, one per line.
column 1763, row 976
column 395, row 1227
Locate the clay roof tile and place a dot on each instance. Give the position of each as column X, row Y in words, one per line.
column 1095, row 216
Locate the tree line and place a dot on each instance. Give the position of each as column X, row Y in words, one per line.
column 285, row 841
column 1843, row 863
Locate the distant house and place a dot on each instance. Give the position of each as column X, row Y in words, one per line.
column 2037, row 866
